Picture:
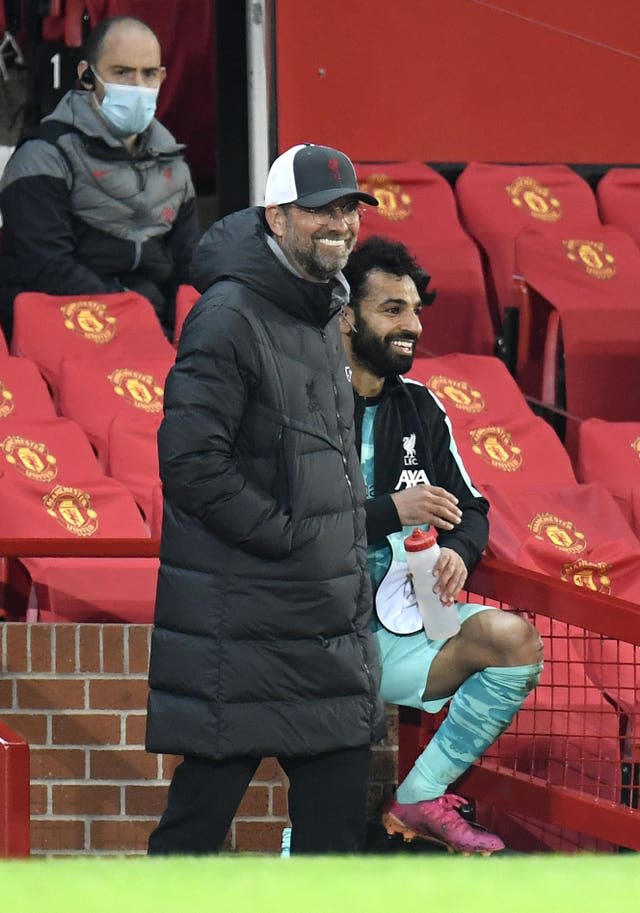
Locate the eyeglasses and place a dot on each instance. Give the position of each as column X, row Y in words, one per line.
column 351, row 212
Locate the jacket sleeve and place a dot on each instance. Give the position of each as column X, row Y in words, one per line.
column 382, row 518
column 36, row 210
column 470, row 537
column 182, row 240
column 205, row 399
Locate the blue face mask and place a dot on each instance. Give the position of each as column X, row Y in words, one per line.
column 128, row 109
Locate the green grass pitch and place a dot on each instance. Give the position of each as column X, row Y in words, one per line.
column 254, row 884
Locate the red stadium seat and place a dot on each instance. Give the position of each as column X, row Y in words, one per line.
column 53, row 24
column 74, row 11
column 613, row 667
column 186, row 297
column 45, row 453
column 77, row 589
column 572, row 533
column 51, row 328
column 498, row 201
column 418, row 208
column 609, row 453
column 578, row 535
column 618, row 195
column 591, row 282
column 93, row 393
column 476, row 390
column 4, row 349
column 133, row 458
column 23, row 392
column 514, row 454
column 51, row 486
column 499, row 438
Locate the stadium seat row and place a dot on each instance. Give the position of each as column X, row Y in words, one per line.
column 105, row 359
column 575, row 340
column 80, row 403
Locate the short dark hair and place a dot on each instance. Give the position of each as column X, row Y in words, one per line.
column 388, row 257
column 92, row 49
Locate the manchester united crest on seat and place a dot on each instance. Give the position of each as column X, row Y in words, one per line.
column 90, row 319
column 30, row 458
column 561, row 534
column 394, row 203
column 528, row 194
column 593, row 256
column 138, row 389
column 589, row 575
column 495, row 445
column 457, row 392
column 71, row 508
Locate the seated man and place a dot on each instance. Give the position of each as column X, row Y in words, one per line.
column 100, row 199
column 489, row 667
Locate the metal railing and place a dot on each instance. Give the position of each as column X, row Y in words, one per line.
column 565, row 774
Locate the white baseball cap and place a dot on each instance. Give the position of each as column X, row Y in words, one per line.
column 312, row 176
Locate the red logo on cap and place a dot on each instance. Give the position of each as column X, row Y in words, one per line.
column 334, row 169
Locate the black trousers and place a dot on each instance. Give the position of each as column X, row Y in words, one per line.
column 327, row 803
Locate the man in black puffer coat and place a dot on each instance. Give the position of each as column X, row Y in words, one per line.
column 261, row 644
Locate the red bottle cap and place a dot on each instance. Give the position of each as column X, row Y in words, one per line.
column 419, row 540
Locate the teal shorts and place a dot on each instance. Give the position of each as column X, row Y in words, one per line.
column 406, row 662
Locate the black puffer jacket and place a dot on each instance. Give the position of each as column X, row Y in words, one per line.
column 261, row 644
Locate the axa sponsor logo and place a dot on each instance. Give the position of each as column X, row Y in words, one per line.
column 409, row 478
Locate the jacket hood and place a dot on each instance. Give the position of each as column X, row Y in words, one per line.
column 76, row 110
column 235, row 248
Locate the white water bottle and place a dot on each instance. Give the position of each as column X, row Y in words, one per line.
column 439, row 621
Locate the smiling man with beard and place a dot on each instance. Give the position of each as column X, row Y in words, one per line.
column 261, row 645
column 415, row 477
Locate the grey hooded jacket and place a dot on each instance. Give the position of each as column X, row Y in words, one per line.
column 82, row 214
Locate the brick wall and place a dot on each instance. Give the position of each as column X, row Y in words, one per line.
column 78, row 694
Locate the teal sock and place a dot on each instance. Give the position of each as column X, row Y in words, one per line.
column 480, row 711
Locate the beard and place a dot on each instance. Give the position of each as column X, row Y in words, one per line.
column 376, row 354
column 316, row 261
